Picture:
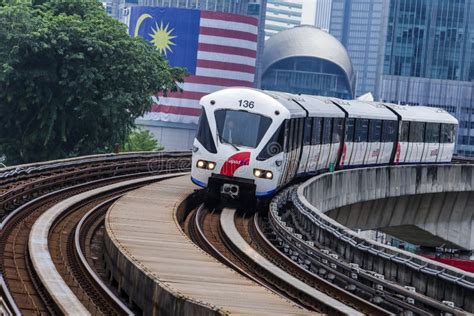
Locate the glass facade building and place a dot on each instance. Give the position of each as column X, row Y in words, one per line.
column 417, row 52
column 431, row 39
column 359, row 25
column 307, row 60
column 429, row 60
column 282, row 15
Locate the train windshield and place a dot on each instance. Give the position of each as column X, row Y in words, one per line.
column 241, row 128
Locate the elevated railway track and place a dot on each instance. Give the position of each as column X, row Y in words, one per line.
column 268, row 250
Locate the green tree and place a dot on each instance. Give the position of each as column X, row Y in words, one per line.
column 141, row 140
column 72, row 81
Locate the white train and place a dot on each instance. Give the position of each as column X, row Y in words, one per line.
column 251, row 142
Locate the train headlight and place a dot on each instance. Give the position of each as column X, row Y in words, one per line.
column 203, row 164
column 265, row 174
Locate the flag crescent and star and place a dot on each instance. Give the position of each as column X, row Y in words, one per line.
column 217, row 49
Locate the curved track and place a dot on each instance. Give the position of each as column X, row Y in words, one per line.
column 204, row 227
column 25, row 200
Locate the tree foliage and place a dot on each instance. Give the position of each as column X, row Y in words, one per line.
column 141, row 140
column 72, row 81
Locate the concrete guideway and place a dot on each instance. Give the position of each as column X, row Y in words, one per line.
column 44, row 266
column 229, row 229
column 164, row 272
column 324, row 193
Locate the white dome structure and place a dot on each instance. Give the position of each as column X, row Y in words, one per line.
column 307, row 60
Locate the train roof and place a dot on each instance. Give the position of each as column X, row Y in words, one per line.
column 362, row 109
column 319, row 106
column 423, row 114
column 287, row 100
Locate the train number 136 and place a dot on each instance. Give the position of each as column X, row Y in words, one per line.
column 246, row 104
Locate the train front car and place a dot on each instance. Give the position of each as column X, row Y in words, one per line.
column 238, row 126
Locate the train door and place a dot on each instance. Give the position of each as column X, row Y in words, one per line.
column 296, row 132
column 306, row 147
column 416, row 142
column 348, row 146
column 337, row 128
column 312, row 165
column 291, row 146
column 360, row 141
column 446, row 146
column 325, row 144
column 432, row 137
column 286, row 151
column 387, row 145
column 374, row 141
column 403, row 146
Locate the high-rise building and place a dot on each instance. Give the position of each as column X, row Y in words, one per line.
column 282, row 15
column 360, row 26
column 321, row 14
column 418, row 52
column 429, row 59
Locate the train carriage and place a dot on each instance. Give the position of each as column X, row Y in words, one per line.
column 426, row 134
column 370, row 133
column 251, row 142
column 322, row 134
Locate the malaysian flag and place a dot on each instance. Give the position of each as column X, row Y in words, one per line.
column 218, row 50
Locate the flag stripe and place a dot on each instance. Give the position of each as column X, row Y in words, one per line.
column 193, row 95
column 233, row 42
column 178, row 102
column 225, row 66
column 226, row 57
column 219, row 73
column 229, row 17
column 216, row 81
column 214, row 48
column 206, row 88
column 171, row 109
column 228, row 33
column 243, row 27
column 168, row 117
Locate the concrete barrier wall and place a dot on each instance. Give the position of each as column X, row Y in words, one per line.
column 433, row 220
column 447, row 216
column 330, row 191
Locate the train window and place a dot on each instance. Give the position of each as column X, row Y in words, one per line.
column 417, row 131
column 405, row 131
column 389, row 131
column 447, row 133
column 241, row 128
column 204, row 135
column 327, row 127
column 375, row 130
column 317, row 128
column 361, row 130
column 349, row 130
column 301, row 126
column 337, row 130
column 286, row 143
column 292, row 135
column 307, row 131
column 275, row 144
column 432, row 133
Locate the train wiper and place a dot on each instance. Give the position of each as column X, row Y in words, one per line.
column 226, row 141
